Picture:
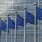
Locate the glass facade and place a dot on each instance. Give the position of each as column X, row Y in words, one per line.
column 9, row 7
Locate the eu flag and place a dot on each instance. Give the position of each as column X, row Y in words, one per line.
column 29, row 18
column 2, row 25
column 20, row 21
column 11, row 24
column 38, row 13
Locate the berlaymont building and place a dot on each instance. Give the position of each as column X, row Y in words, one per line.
column 20, row 20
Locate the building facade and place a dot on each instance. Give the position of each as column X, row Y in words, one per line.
column 20, row 34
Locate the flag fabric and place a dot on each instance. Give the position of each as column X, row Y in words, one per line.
column 0, row 31
column 29, row 18
column 20, row 21
column 2, row 25
column 11, row 24
column 38, row 13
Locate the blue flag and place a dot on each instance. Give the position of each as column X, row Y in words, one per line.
column 20, row 21
column 2, row 25
column 38, row 13
column 29, row 18
column 11, row 24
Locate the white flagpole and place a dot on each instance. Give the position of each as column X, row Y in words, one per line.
column 11, row 35
column 7, row 31
column 11, row 17
column 24, row 23
column 35, row 22
column 38, row 24
column 15, row 26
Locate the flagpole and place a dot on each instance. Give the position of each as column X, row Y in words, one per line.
column 38, row 24
column 7, row 30
column 15, row 25
column 11, row 29
column 24, row 23
column 35, row 22
column 11, row 34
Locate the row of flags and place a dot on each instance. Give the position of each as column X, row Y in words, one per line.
column 20, row 21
